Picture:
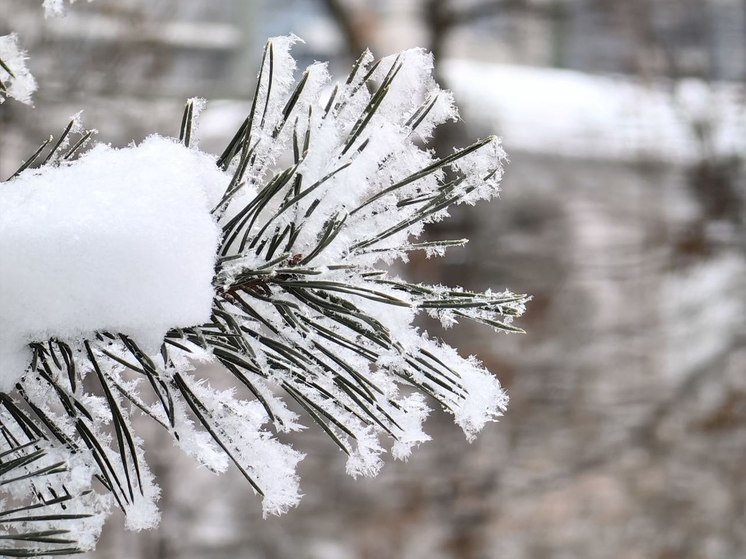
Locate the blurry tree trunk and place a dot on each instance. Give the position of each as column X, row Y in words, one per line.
column 349, row 25
column 439, row 26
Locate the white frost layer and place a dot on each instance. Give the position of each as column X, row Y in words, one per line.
column 20, row 85
column 121, row 240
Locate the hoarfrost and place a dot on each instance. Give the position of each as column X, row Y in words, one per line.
column 15, row 78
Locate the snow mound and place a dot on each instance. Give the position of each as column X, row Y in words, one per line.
column 122, row 240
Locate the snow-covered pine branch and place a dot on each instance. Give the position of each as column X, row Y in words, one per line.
column 124, row 270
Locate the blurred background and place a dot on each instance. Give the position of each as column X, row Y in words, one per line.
column 623, row 212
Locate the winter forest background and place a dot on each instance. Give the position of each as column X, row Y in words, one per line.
column 622, row 214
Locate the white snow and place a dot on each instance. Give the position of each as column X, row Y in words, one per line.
column 121, row 240
column 574, row 114
column 20, row 85
column 271, row 463
column 55, row 8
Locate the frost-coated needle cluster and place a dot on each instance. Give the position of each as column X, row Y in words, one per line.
column 270, row 260
column 15, row 79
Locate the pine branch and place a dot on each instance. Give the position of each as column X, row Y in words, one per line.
column 39, row 522
column 316, row 197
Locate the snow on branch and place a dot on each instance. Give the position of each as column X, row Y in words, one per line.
column 15, row 79
column 129, row 268
column 120, row 240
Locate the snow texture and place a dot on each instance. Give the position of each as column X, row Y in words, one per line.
column 14, row 75
column 119, row 241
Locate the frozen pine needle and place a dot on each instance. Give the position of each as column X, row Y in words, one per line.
column 15, row 79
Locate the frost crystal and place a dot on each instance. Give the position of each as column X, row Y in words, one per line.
column 318, row 187
column 15, row 79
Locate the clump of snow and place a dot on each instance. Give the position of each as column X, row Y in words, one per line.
column 410, row 416
column 53, row 8
column 121, row 240
column 14, row 75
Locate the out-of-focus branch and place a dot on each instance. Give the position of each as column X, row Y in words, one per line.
column 443, row 16
column 645, row 435
column 693, row 382
column 439, row 23
column 451, row 17
column 491, row 8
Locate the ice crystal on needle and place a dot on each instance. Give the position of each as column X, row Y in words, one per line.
column 321, row 186
column 15, row 79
